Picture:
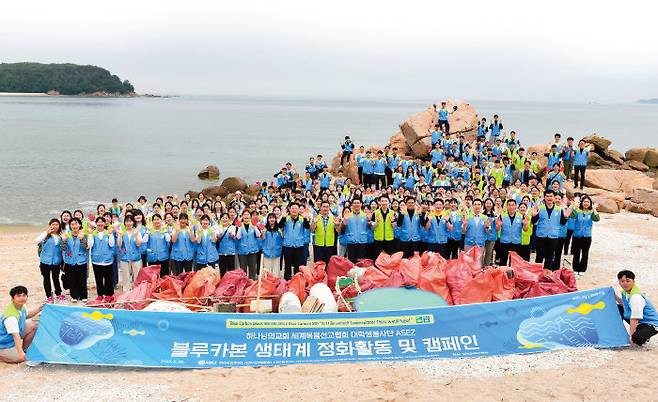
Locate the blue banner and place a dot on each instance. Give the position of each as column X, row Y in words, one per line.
column 78, row 335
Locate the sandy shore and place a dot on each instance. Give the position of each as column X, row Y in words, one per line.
column 620, row 241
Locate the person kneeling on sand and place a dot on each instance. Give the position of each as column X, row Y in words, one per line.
column 636, row 309
column 16, row 329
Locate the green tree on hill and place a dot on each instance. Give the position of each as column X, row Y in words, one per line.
column 67, row 79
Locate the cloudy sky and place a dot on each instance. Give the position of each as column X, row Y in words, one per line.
column 559, row 50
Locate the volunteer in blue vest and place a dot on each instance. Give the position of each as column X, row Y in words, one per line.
column 272, row 246
column 74, row 248
column 568, row 152
column 325, row 179
column 16, row 327
column 158, row 242
column 368, row 170
column 248, row 238
column 128, row 241
column 438, row 226
column 379, row 171
column 442, row 117
column 585, row 215
column 293, row 226
column 392, row 162
column 384, row 232
column 511, row 225
column 455, row 236
column 325, row 227
column 476, row 227
column 183, row 245
column 409, row 224
column 226, row 243
column 102, row 243
column 206, row 249
column 359, row 157
column 495, row 128
column 50, row 259
column 636, row 309
column 357, row 226
column 548, row 219
column 580, row 159
column 348, row 148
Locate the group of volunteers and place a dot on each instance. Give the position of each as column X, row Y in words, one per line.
column 488, row 192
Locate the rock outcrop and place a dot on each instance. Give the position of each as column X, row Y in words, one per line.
column 542, row 150
column 637, row 165
column 213, row 191
column 636, row 154
column 416, row 129
column 233, row 184
column 617, row 180
column 651, row 158
column 398, row 141
column 210, row 172
column 643, row 201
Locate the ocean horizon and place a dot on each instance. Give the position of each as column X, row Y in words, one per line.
column 68, row 152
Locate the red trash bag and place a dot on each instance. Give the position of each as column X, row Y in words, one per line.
column 365, row 263
column 231, row 283
column 338, row 266
column 396, row 280
column 432, row 278
column 347, row 293
column 281, row 288
column 147, row 274
column 567, row 276
column 297, row 285
column 389, row 263
column 203, row 284
column 373, row 278
column 168, row 288
column 314, row 274
column 479, row 289
column 457, row 276
column 432, row 259
column 526, row 274
column 268, row 287
column 472, row 258
column 135, row 299
column 504, row 284
column 410, row 269
column 186, row 277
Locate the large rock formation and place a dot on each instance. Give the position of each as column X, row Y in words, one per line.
column 542, row 150
column 210, row 172
column 637, row 165
column 636, row 154
column 617, row 180
column 233, row 184
column 600, row 144
column 213, row 191
column 651, row 158
column 416, row 129
column 643, row 201
column 398, row 141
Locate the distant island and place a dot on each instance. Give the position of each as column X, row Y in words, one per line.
column 652, row 101
column 62, row 79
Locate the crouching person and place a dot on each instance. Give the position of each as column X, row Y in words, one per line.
column 636, row 309
column 16, row 329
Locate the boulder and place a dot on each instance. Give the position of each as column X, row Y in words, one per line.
column 606, row 205
column 253, row 189
column 349, row 169
column 233, row 184
column 398, row 141
column 636, row 165
column 614, row 156
column 541, row 149
column 636, row 154
column 210, row 172
column 599, row 195
column 655, row 184
column 416, row 129
column 600, row 144
column 599, row 161
column 617, row 180
column 651, row 158
column 643, row 201
column 213, row 191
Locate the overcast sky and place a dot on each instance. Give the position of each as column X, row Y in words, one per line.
column 558, row 50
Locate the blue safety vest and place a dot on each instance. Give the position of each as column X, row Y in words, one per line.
column 581, row 157
column 101, row 251
column 129, row 250
column 356, row 229
column 438, row 232
column 649, row 314
column 51, row 251
column 325, row 180
column 549, row 226
column 294, row 234
column 583, row 224
column 475, row 231
column 226, row 245
column 74, row 254
column 510, row 231
column 7, row 339
column 158, row 247
column 272, row 243
column 206, row 251
column 410, row 229
column 248, row 242
column 456, row 219
column 183, row 248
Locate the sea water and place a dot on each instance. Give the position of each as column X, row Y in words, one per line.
column 68, row 153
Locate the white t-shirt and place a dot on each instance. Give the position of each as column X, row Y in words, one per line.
column 11, row 324
column 637, row 304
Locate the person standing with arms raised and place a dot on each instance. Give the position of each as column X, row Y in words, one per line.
column 293, row 226
column 325, row 227
column 356, row 227
column 384, row 221
column 548, row 219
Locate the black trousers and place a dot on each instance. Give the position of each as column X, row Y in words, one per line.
column 360, row 172
column 642, row 332
column 442, row 249
column 550, row 247
column 540, row 248
column 226, row 263
column 453, row 248
column 558, row 252
column 77, row 281
column 293, row 258
column 445, row 126
column 389, row 177
column 503, row 252
column 184, row 266
column 579, row 171
column 567, row 241
column 379, row 180
column 410, row 247
column 49, row 272
column 345, row 157
column 368, row 180
column 323, row 253
column 387, row 246
column 103, row 277
column 164, row 267
column 524, row 252
column 355, row 252
column 581, row 253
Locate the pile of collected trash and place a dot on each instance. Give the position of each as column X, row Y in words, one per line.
column 321, row 288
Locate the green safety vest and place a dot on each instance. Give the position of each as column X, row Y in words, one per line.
column 325, row 236
column 384, row 232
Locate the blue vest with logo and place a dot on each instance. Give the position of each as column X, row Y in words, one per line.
column 272, row 244
column 206, row 251
column 294, row 234
column 410, row 229
column 183, row 248
column 510, row 232
column 158, row 247
column 549, row 226
column 51, row 252
column 248, row 242
column 475, row 231
column 649, row 314
column 356, row 229
column 101, row 252
column 75, row 254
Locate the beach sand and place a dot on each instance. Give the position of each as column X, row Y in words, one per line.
column 620, row 241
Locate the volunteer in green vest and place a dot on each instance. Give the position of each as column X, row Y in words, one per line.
column 526, row 233
column 325, row 227
column 636, row 309
column 384, row 219
column 16, row 327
